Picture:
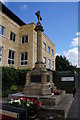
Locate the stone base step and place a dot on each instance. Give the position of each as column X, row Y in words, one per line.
column 58, row 112
column 46, row 100
column 52, row 100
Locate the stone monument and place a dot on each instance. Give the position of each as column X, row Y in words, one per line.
column 39, row 83
column 39, row 80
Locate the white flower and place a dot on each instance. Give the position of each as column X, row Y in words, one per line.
column 11, row 99
column 15, row 101
column 28, row 104
column 19, row 101
column 31, row 102
column 21, row 98
column 10, row 102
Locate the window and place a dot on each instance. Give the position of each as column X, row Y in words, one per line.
column 24, row 58
column 52, row 52
column 44, row 46
column 12, row 36
column 48, row 49
column 11, row 57
column 1, row 30
column 52, row 65
column 44, row 60
column 48, row 78
column 24, row 39
column 49, row 63
column 0, row 54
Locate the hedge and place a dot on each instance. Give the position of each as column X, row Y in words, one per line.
column 12, row 76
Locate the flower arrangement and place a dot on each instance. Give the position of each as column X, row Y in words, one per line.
column 26, row 103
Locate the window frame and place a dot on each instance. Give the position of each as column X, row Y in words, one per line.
column 2, row 30
column 13, row 36
column 48, row 49
column 52, row 65
column 1, row 54
column 24, row 59
column 44, row 46
column 24, row 39
column 52, row 52
column 12, row 59
column 45, row 60
column 49, row 63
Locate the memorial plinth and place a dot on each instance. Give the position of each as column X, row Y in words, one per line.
column 39, row 80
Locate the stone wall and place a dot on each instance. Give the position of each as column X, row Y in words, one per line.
column 6, row 42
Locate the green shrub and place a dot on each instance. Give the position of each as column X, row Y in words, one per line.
column 9, row 75
column 13, row 88
column 6, row 93
column 11, row 78
column 21, row 76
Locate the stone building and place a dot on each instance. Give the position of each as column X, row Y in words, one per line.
column 18, row 43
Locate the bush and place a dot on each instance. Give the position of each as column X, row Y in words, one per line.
column 13, row 88
column 12, row 77
column 9, row 75
column 5, row 93
column 21, row 76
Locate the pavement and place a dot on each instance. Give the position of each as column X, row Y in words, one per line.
column 74, row 113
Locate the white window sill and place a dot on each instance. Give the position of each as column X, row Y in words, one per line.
column 23, row 65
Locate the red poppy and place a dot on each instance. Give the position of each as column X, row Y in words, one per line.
column 27, row 99
column 31, row 100
column 24, row 98
column 18, row 97
column 40, row 103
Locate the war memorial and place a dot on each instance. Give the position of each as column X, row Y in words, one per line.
column 38, row 80
column 39, row 84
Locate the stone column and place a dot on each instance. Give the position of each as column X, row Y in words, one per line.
column 39, row 30
column 39, row 46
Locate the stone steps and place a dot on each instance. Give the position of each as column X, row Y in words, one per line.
column 46, row 100
column 59, row 111
column 54, row 100
column 57, row 106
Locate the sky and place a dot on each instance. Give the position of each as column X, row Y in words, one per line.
column 59, row 20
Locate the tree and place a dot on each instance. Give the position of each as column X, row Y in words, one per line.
column 62, row 64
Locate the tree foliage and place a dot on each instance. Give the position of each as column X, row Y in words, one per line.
column 62, row 64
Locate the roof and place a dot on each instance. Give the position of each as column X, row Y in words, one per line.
column 10, row 14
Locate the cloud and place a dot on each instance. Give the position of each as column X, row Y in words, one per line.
column 72, row 55
column 3, row 1
column 24, row 7
column 78, row 33
column 74, row 43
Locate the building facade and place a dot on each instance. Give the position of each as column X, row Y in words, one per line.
column 18, row 43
